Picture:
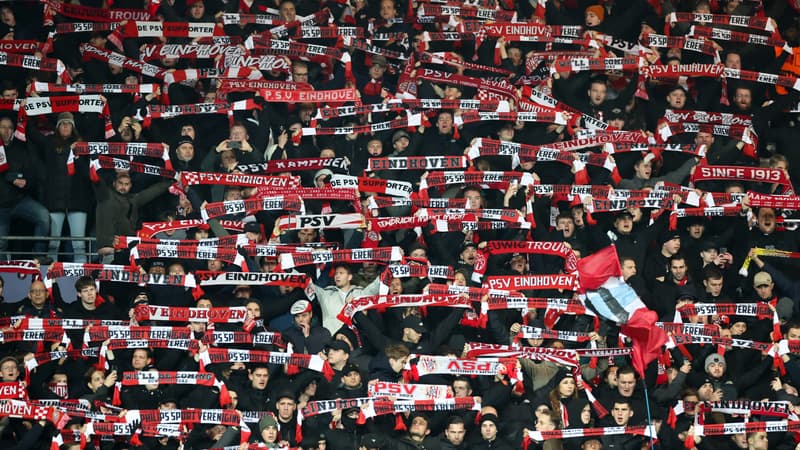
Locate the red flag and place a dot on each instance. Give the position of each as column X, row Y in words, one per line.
column 601, row 281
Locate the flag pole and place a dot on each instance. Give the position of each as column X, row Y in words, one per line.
column 649, row 417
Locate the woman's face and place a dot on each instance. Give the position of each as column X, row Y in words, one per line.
column 270, row 435
column 586, row 414
column 65, row 129
column 96, row 380
column 566, row 387
column 460, row 280
column 311, row 389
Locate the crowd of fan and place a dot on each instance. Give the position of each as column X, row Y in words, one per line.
column 668, row 268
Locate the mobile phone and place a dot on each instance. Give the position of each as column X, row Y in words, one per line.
column 723, row 250
column 234, row 145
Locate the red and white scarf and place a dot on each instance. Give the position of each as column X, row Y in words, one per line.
column 235, row 314
column 38, row 106
column 252, row 205
column 297, row 164
column 209, row 278
column 381, row 302
column 149, row 229
column 404, row 391
column 321, row 221
column 382, row 255
column 238, row 179
column 369, row 184
column 35, row 63
column 527, row 282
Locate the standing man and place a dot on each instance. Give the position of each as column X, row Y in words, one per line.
column 17, row 192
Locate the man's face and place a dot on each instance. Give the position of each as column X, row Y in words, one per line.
column 733, row 61
column 286, row 408
column 455, row 433
column 122, row 185
column 88, row 295
column 643, row 170
column 545, row 423
column 185, row 151
column 139, row 359
column 419, row 253
column 597, row 92
column 703, row 138
column 624, row 224
column 672, row 246
column 452, row 93
column 413, row 335
column 342, row 277
column 374, row 147
column 288, row 12
column 306, row 235
column 387, row 10
column 676, row 99
column 705, row 392
column 518, row 264
column 461, row 389
column 566, row 226
column 445, row 123
column 743, row 99
column 764, row 290
column 259, row 378
column 468, row 255
column 419, row 428
column 6, row 130
column 622, row 413
column 716, row 369
column 709, row 256
column 303, row 318
column 594, row 444
column 238, row 133
column 214, row 264
column 188, row 130
column 488, row 430
column 677, row 268
column 38, row 294
column 628, row 268
column 713, row 286
column 696, row 230
column 10, row 94
column 352, row 379
column 9, row 371
column 766, row 220
column 336, row 356
column 626, row 384
column 300, row 73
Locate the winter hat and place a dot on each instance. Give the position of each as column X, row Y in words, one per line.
column 713, row 359
column 597, row 10
column 65, row 117
column 268, row 421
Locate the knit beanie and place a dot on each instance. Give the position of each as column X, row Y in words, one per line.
column 598, row 11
